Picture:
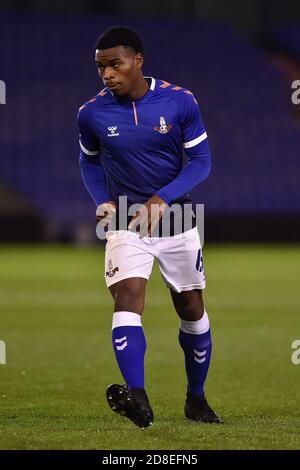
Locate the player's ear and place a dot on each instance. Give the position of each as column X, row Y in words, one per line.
column 139, row 60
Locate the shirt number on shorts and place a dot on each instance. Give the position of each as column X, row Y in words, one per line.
column 199, row 262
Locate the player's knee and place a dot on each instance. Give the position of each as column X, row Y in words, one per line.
column 189, row 305
column 191, row 313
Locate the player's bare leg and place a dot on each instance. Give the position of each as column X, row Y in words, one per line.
column 129, row 344
column 189, row 304
column 195, row 340
column 129, row 295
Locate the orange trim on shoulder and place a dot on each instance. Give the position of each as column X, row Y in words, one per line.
column 92, row 100
column 164, row 84
column 177, row 88
column 102, row 93
column 188, row 92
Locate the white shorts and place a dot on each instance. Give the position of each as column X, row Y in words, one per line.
column 179, row 258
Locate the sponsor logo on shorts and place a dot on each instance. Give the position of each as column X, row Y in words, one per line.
column 111, row 270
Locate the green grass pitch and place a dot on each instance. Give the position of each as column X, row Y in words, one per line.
column 55, row 318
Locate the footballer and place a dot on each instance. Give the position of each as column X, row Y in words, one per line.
column 143, row 138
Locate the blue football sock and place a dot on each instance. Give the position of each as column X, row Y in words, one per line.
column 195, row 340
column 129, row 345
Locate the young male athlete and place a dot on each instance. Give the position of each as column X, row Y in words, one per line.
column 132, row 136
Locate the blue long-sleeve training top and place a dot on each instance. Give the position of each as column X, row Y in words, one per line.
column 136, row 148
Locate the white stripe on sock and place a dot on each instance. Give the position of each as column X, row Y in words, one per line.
column 126, row 319
column 195, row 327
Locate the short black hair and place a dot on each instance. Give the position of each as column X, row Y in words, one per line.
column 120, row 36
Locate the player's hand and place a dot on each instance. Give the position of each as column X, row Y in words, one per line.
column 105, row 212
column 148, row 216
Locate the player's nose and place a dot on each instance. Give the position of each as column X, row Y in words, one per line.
column 108, row 74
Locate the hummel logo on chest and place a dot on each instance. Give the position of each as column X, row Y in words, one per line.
column 112, row 131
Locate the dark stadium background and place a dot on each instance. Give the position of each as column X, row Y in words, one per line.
column 240, row 59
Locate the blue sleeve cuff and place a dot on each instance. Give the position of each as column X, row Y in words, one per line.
column 94, row 178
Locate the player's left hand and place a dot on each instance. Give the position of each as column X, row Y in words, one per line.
column 148, row 216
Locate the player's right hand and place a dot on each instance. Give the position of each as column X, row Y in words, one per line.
column 105, row 212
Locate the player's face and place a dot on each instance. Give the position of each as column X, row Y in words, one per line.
column 119, row 68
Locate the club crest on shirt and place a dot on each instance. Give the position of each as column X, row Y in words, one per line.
column 163, row 128
column 111, row 270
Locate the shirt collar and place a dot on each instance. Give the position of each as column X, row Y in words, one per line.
column 152, row 82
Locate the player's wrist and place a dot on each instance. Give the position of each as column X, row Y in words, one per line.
column 163, row 198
